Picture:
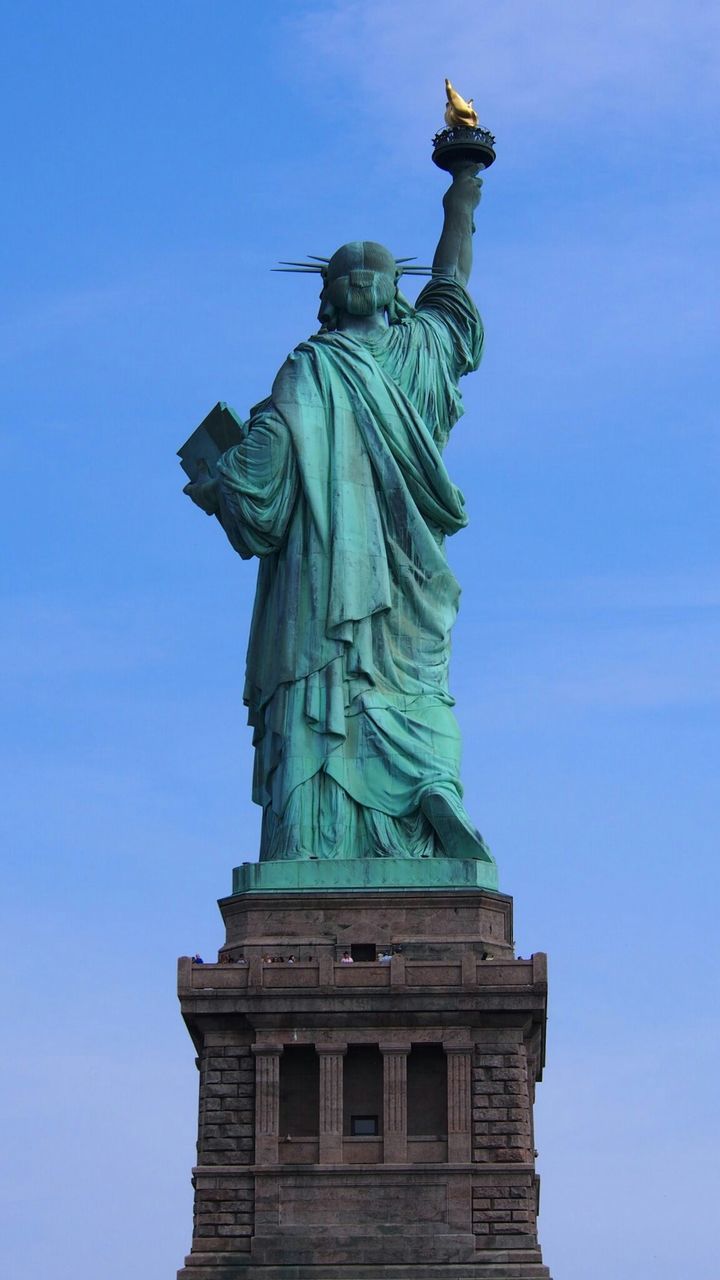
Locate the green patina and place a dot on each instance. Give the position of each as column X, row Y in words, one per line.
column 364, row 873
column 337, row 484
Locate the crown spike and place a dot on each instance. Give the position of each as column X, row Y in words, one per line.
column 309, row 266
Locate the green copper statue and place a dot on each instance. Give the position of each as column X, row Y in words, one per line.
column 338, row 486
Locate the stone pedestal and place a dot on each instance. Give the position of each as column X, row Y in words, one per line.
column 371, row 1119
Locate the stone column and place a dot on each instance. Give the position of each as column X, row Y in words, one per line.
column 459, row 1103
column 395, row 1102
column 267, row 1102
column 331, row 1102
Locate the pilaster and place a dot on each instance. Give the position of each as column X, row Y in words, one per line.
column 395, row 1102
column 267, row 1102
column 459, row 1102
column 331, row 1103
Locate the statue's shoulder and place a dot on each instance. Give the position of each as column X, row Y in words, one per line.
column 444, row 293
column 299, row 375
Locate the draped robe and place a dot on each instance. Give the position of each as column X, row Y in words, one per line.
column 340, row 489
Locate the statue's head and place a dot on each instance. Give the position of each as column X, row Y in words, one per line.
column 360, row 279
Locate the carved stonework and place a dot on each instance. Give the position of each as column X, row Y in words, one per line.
column 368, row 1182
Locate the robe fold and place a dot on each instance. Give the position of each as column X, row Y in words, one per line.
column 340, row 489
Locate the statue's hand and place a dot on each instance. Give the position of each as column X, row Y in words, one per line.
column 203, row 491
column 465, row 190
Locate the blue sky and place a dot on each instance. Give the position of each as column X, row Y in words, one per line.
column 158, row 159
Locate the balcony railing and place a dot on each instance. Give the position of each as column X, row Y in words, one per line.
column 467, row 970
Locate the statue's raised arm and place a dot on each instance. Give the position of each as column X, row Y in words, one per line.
column 463, row 148
column 453, row 256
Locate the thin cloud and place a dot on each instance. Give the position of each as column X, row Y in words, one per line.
column 551, row 62
column 45, row 639
column 611, row 594
column 47, row 319
column 652, row 647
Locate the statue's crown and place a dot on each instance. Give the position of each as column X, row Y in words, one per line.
column 356, row 256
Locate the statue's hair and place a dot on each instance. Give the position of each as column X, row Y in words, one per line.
column 360, row 279
column 361, row 293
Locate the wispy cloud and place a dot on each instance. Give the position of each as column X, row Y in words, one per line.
column 634, row 670
column 46, row 638
column 120, row 299
column 619, row 644
column 45, row 319
column 614, row 595
column 580, row 1122
column 523, row 61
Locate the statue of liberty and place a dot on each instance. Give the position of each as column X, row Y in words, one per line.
column 337, row 484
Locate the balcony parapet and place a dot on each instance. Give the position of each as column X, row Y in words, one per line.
column 324, row 974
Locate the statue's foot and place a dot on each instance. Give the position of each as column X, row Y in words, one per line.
column 452, row 826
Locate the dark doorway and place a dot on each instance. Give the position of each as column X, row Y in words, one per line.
column 299, row 1092
column 363, row 951
column 362, row 1090
column 427, row 1091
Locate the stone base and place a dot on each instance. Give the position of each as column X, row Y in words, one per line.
column 239, row 1267
column 364, row 873
column 440, row 1045
column 429, row 924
